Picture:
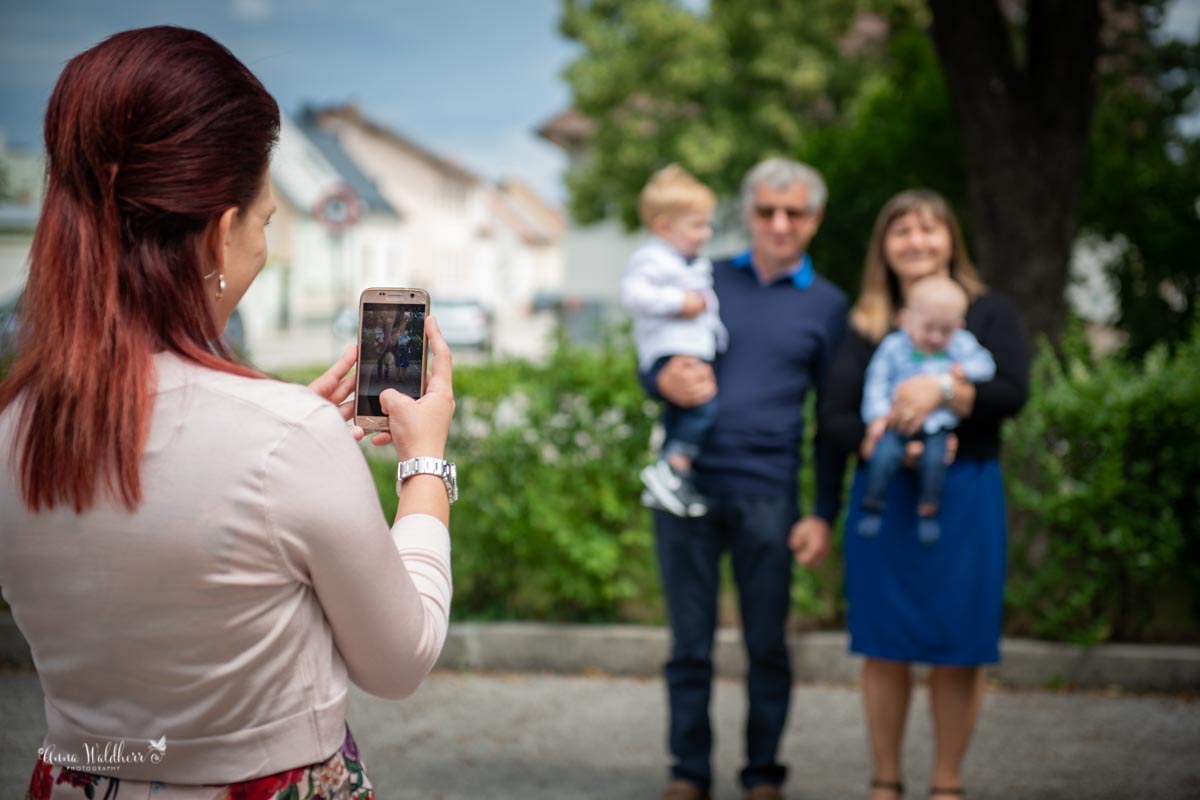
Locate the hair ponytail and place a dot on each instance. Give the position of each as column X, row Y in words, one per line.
column 150, row 136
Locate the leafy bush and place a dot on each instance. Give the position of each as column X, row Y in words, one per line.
column 1104, row 478
column 549, row 526
column 1103, row 474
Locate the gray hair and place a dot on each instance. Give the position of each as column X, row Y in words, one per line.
column 781, row 174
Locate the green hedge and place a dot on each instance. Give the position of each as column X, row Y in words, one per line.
column 549, row 526
column 1103, row 472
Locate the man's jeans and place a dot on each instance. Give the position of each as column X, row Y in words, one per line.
column 755, row 531
column 886, row 461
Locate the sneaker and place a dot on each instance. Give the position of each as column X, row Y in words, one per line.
column 650, row 501
column 673, row 491
column 870, row 524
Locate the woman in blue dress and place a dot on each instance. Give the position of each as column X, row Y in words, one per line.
column 940, row 604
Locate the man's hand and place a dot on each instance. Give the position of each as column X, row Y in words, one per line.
column 809, row 541
column 693, row 304
column 686, row 381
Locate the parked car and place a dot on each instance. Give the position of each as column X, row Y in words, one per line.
column 464, row 323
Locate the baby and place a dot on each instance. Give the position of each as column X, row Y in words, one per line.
column 931, row 341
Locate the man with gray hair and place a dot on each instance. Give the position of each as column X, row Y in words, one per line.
column 785, row 323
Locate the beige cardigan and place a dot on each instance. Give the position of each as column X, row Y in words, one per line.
column 229, row 612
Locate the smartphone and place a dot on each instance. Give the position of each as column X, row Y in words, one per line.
column 391, row 350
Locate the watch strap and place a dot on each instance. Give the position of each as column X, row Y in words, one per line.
column 429, row 465
column 946, row 381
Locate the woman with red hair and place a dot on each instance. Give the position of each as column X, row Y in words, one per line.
column 195, row 552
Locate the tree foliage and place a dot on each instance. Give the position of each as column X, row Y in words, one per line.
column 715, row 92
column 856, row 88
column 1144, row 179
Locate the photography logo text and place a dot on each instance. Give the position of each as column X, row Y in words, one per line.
column 107, row 757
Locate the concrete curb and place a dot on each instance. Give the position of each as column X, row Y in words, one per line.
column 820, row 657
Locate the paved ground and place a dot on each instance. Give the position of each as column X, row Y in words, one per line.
column 538, row 737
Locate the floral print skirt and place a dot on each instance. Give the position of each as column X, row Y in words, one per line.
column 339, row 777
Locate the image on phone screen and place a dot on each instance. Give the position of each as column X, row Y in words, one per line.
column 393, row 339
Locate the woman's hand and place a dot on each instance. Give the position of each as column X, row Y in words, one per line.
column 914, row 400
column 420, row 427
column 336, row 385
column 686, row 381
column 875, row 432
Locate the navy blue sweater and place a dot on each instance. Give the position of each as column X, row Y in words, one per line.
column 782, row 339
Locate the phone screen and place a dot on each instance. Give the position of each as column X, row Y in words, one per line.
column 390, row 351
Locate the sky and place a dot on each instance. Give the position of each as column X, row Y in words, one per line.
column 469, row 79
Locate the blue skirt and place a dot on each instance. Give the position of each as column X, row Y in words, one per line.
column 940, row 603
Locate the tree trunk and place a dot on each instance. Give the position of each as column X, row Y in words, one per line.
column 1025, row 133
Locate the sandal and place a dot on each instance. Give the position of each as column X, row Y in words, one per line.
column 891, row 786
column 956, row 791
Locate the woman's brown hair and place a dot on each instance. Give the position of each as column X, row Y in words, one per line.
column 879, row 298
column 150, row 136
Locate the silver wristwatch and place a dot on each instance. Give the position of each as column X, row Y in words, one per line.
column 946, row 383
column 428, row 465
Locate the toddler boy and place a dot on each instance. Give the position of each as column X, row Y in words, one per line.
column 667, row 289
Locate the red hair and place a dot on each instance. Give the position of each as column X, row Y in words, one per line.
column 150, row 136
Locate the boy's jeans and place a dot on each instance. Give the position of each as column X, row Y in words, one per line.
column 685, row 427
column 886, row 461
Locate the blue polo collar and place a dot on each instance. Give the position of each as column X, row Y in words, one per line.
column 801, row 275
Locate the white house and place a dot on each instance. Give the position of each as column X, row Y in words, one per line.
column 316, row 269
column 409, row 217
column 466, row 238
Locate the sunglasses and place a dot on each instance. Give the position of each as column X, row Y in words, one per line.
column 767, row 213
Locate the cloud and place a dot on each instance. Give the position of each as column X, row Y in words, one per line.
column 251, row 10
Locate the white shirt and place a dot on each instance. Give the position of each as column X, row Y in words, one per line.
column 653, row 288
column 229, row 611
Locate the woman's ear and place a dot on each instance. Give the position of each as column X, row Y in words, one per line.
column 218, row 237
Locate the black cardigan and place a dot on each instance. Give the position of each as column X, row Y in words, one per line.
column 994, row 323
